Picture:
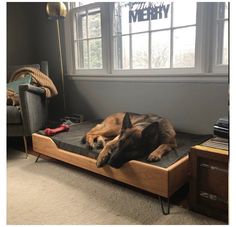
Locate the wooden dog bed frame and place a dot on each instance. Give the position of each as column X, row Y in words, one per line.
column 157, row 180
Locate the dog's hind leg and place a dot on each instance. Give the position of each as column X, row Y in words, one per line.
column 92, row 135
column 105, row 131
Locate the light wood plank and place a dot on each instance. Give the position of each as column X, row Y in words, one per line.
column 178, row 174
column 142, row 175
column 211, row 149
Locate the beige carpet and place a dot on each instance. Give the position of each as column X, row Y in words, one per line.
column 50, row 192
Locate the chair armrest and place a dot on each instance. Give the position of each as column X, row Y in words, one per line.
column 33, row 104
column 31, row 88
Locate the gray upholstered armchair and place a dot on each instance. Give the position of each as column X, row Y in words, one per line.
column 32, row 114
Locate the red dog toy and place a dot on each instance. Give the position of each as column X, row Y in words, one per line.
column 61, row 128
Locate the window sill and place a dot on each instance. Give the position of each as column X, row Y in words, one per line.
column 167, row 78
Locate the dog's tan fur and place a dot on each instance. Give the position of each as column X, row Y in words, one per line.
column 107, row 134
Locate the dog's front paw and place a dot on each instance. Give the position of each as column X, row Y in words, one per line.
column 153, row 157
column 102, row 160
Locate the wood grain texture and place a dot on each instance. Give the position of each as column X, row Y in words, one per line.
column 211, row 149
column 177, row 174
column 209, row 181
column 142, row 175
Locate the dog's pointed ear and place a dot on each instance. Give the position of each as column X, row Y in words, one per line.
column 126, row 122
column 150, row 131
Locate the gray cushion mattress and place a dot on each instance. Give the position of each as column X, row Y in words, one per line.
column 71, row 141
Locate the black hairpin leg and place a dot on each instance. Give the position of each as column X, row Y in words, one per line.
column 37, row 158
column 165, row 212
column 25, row 145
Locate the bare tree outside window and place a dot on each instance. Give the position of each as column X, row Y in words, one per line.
column 164, row 42
column 111, row 37
column 89, row 38
column 222, row 25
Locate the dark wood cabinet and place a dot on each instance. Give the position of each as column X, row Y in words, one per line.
column 209, row 181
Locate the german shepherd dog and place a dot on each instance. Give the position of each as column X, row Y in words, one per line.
column 127, row 136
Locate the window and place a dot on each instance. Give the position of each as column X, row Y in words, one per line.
column 153, row 36
column 88, row 39
column 147, row 37
column 222, row 25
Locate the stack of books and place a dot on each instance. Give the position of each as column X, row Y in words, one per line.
column 221, row 135
column 217, row 142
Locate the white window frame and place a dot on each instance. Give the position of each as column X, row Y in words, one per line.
column 69, row 31
column 217, row 68
column 166, row 71
column 204, row 51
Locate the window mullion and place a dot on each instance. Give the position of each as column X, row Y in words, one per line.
column 218, row 47
column 149, row 44
column 130, row 51
column 202, row 48
column 220, row 25
column 130, row 44
column 171, row 36
column 107, row 37
column 212, row 39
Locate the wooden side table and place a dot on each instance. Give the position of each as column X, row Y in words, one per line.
column 209, row 181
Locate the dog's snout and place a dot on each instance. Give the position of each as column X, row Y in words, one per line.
column 115, row 161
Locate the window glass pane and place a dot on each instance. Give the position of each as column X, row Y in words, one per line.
column 184, row 47
column 163, row 19
column 225, row 47
column 75, row 27
column 125, row 52
column 226, row 10
column 81, row 55
column 84, row 28
column 139, row 18
column 223, row 10
column 184, row 14
column 222, row 34
column 83, row 3
column 94, row 23
column 139, row 26
column 121, row 52
column 121, row 18
column 222, row 42
column 160, row 49
column 140, row 51
column 95, row 54
column 72, row 5
column 84, row 54
column 80, row 25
